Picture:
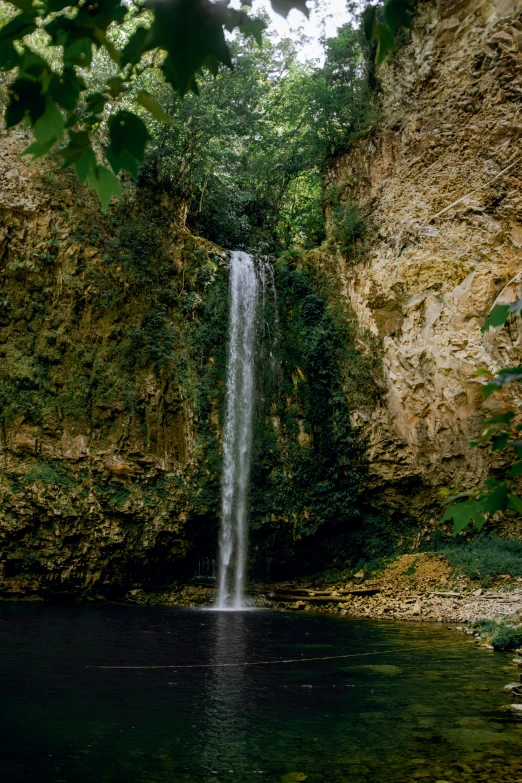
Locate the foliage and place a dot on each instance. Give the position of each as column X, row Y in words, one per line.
column 501, row 432
column 247, row 156
column 485, row 557
column 50, row 47
column 383, row 23
column 182, row 38
column 504, row 634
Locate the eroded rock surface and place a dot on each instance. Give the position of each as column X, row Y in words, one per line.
column 99, row 471
column 439, row 178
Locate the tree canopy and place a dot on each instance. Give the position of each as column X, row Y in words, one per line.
column 50, row 45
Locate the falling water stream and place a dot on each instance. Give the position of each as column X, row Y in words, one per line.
column 237, row 435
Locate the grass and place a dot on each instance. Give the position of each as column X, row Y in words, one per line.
column 486, row 557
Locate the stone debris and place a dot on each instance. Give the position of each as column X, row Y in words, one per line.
column 404, row 590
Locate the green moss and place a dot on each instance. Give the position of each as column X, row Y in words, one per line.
column 47, row 474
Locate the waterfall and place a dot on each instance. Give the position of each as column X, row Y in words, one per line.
column 237, row 434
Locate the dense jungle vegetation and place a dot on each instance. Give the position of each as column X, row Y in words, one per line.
column 247, row 156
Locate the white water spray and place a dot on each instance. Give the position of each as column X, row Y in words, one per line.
column 237, row 435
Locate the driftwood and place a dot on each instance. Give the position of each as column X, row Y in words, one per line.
column 323, row 599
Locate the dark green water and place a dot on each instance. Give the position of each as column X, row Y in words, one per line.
column 424, row 705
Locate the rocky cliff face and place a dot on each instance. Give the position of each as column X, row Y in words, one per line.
column 112, row 337
column 438, row 178
column 101, row 475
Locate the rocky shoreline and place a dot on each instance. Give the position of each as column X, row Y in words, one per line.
column 420, row 587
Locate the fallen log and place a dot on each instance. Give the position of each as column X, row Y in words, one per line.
column 322, row 599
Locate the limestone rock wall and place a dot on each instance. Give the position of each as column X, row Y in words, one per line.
column 438, row 178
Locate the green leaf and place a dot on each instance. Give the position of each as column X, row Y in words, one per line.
column 246, row 24
column 516, row 469
column 482, row 371
column 499, row 442
column 368, row 21
column 152, row 106
column 100, row 14
column 50, row 125
column 133, row 50
column 106, row 184
column 85, row 164
column 479, row 522
column 25, row 98
column 34, row 67
column 124, row 161
column 53, row 6
column 396, row 14
column 39, row 148
column 502, row 418
column 66, row 88
column 79, row 142
column 386, row 41
column 72, row 120
column 283, row 7
column 9, row 57
column 79, row 52
column 96, row 103
column 455, row 496
column 24, row 5
column 16, row 28
column 253, row 27
column 116, row 85
column 462, row 514
column 113, row 53
column 503, row 377
column 190, row 33
column 128, row 133
column 497, row 317
column 495, row 500
column 516, row 503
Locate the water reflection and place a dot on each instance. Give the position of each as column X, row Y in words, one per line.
column 226, row 734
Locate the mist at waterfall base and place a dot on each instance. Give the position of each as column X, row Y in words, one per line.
column 412, row 698
column 237, row 432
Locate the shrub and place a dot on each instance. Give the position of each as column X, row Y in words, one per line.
column 503, row 634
